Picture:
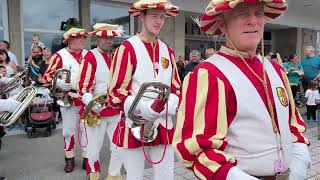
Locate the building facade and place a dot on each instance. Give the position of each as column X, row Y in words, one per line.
column 23, row 18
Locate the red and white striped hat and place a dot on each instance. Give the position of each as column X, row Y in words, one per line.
column 210, row 25
column 75, row 32
column 104, row 29
column 141, row 5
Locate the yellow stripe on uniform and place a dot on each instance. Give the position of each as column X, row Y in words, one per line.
column 222, row 124
column 199, row 111
column 205, row 161
column 127, row 78
column 181, row 116
column 115, row 72
column 88, row 77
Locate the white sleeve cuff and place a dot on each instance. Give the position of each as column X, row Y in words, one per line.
column 237, row 174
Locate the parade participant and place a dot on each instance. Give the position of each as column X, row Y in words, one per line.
column 237, row 118
column 94, row 75
column 70, row 58
column 143, row 58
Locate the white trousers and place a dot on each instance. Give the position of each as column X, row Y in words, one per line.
column 96, row 138
column 70, row 118
column 134, row 162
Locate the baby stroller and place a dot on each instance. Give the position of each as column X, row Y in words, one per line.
column 40, row 114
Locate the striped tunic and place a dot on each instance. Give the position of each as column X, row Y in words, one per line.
column 122, row 69
column 87, row 78
column 207, row 108
column 55, row 64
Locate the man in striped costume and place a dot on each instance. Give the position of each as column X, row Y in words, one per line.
column 94, row 75
column 237, row 118
column 70, row 58
column 140, row 59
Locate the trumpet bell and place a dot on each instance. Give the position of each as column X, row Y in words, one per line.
column 15, row 82
column 63, row 99
column 25, row 97
column 142, row 134
column 93, row 119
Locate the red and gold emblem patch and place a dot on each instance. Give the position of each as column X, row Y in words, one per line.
column 282, row 96
column 164, row 63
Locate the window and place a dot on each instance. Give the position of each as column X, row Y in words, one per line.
column 44, row 17
column 3, row 20
column 113, row 13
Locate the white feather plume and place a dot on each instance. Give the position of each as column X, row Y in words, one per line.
column 121, row 29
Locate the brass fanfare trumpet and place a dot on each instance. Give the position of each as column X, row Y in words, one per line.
column 144, row 130
column 15, row 82
column 93, row 119
column 25, row 97
column 63, row 99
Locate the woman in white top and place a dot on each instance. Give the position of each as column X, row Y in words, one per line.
column 11, row 67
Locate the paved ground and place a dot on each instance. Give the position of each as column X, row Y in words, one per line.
column 42, row 159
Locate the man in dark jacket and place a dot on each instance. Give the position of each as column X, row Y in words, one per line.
column 195, row 58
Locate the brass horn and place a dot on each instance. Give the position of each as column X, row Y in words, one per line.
column 93, row 119
column 63, row 99
column 143, row 129
column 15, row 82
column 25, row 97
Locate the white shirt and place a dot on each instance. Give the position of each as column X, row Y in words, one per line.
column 13, row 57
column 311, row 96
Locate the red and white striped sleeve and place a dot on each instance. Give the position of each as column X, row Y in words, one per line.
column 54, row 65
column 87, row 72
column 202, row 123
column 121, row 72
column 175, row 82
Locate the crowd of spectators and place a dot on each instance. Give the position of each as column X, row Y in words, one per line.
column 37, row 62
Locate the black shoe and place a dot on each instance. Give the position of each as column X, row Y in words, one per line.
column 2, row 178
column 69, row 165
